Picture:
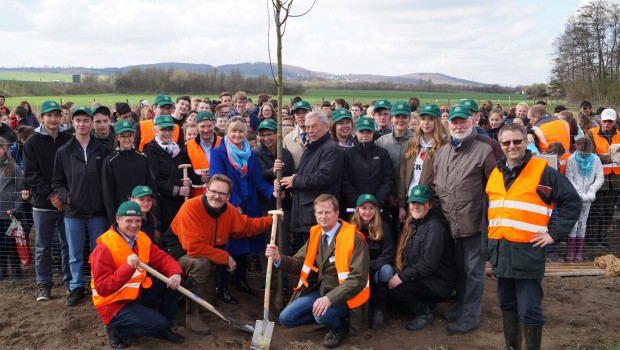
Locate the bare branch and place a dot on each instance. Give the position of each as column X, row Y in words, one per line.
column 303, row 14
column 273, row 74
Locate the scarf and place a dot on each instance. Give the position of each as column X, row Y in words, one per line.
column 238, row 157
column 584, row 165
column 171, row 148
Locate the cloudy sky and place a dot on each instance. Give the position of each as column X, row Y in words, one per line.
column 506, row 42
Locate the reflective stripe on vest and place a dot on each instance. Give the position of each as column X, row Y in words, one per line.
column 519, row 213
column 147, row 133
column 119, row 249
column 555, row 131
column 199, row 162
column 345, row 244
column 602, row 147
column 562, row 162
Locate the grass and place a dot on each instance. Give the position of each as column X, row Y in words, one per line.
column 45, row 77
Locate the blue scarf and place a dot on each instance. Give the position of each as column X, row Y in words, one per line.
column 584, row 165
column 238, row 157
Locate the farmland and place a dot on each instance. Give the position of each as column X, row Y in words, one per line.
column 43, row 77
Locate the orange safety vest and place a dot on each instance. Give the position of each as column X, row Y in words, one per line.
column 519, row 213
column 602, row 147
column 200, row 163
column 345, row 244
column 562, row 163
column 555, row 131
column 120, row 250
column 147, row 133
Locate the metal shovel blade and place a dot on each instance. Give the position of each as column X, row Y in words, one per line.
column 241, row 325
column 261, row 339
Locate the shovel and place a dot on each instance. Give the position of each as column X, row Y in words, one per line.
column 264, row 329
column 231, row 321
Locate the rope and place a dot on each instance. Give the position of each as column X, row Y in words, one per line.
column 610, row 263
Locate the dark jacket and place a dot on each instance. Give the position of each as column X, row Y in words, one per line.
column 10, row 189
column 319, row 171
column 522, row 260
column 39, row 153
column 79, row 179
column 381, row 252
column 108, row 141
column 368, row 168
column 7, row 133
column 122, row 171
column 32, row 120
column 428, row 256
column 265, row 160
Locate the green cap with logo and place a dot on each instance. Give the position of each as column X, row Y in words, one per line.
column 129, row 208
column 365, row 123
column 164, row 121
column 400, row 107
column 469, row 103
column 301, row 104
column 459, row 111
column 102, row 109
column 49, row 105
column 82, row 110
column 162, row 100
column 340, row 114
column 382, row 104
column 124, row 125
column 430, row 109
column 141, row 191
column 204, row 116
column 268, row 124
column 420, row 194
column 366, row 198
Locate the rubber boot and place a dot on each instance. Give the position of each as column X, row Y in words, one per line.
column 381, row 298
column 533, row 336
column 512, row 330
column 571, row 249
column 423, row 317
column 579, row 250
column 193, row 320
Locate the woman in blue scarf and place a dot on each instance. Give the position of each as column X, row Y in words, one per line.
column 235, row 159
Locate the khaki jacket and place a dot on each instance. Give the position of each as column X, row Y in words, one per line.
column 295, row 145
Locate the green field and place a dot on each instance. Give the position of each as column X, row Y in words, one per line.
column 313, row 96
column 44, row 77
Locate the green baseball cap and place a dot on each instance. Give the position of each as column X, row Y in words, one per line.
column 164, row 121
column 141, row 191
column 365, row 123
column 459, row 111
column 204, row 116
column 400, row 107
column 469, row 103
column 340, row 114
column 431, row 109
column 162, row 100
column 49, row 105
column 366, row 198
column 101, row 109
column 301, row 104
column 124, row 125
column 420, row 194
column 382, row 104
column 129, row 208
column 268, row 124
column 82, row 110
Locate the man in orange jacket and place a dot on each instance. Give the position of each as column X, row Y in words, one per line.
column 122, row 292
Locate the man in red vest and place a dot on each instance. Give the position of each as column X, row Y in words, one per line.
column 333, row 269
column 521, row 194
column 123, row 294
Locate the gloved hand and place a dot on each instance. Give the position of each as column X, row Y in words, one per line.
column 613, row 148
column 615, row 158
column 583, row 196
column 591, row 196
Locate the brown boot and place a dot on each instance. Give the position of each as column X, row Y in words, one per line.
column 193, row 320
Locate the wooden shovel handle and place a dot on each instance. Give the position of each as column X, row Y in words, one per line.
column 274, row 228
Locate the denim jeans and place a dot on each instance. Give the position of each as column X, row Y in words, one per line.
column 384, row 274
column 76, row 237
column 45, row 221
column 299, row 312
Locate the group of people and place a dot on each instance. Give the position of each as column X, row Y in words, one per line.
column 376, row 208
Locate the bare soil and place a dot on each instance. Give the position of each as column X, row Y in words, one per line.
column 580, row 312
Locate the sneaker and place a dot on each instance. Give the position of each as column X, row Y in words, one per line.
column 461, row 327
column 334, row 339
column 44, row 292
column 75, row 296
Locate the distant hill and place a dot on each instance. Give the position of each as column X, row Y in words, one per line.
column 250, row 69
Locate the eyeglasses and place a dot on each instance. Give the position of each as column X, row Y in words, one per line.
column 166, row 107
column 514, row 142
column 218, row 194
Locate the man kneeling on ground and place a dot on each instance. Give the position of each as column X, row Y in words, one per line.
column 334, row 281
column 122, row 292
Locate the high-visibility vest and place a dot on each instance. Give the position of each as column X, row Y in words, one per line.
column 200, row 163
column 345, row 244
column 519, row 213
column 120, row 250
column 562, row 163
column 555, row 131
column 147, row 133
column 602, row 147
